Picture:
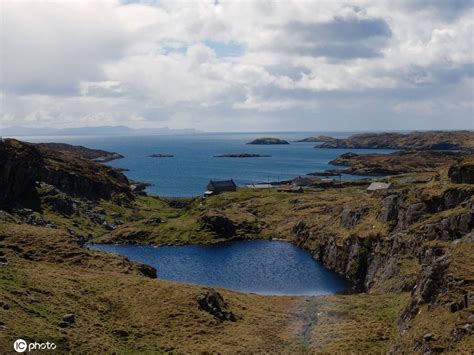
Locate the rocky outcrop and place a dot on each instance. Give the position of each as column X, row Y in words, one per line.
column 20, row 167
column 147, row 270
column 429, row 285
column 23, row 164
column 390, row 208
column 351, row 217
column 219, row 224
column 462, row 172
column 212, row 302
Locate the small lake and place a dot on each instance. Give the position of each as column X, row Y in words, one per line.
column 262, row 267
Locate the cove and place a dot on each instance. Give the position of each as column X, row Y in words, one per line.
column 262, row 267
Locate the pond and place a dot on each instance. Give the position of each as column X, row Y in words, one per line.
column 262, row 267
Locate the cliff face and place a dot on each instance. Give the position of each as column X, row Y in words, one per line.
column 22, row 165
column 428, row 240
column 463, row 171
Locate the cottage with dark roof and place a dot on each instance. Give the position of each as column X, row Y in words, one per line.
column 216, row 187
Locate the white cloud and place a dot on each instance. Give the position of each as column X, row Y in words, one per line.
column 151, row 62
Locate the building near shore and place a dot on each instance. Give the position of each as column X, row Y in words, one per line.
column 379, row 186
column 304, row 180
column 216, row 187
column 290, row 188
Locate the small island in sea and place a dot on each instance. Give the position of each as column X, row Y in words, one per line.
column 161, row 156
column 268, row 141
column 242, row 155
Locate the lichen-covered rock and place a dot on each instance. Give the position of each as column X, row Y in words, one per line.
column 148, row 271
column 212, row 302
column 462, row 173
column 390, row 208
column 351, row 217
column 218, row 224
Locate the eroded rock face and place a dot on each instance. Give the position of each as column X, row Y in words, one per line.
column 219, row 224
column 213, row 303
column 462, row 173
column 20, row 164
column 351, row 217
column 24, row 164
column 390, row 208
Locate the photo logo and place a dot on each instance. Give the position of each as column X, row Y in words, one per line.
column 20, row 345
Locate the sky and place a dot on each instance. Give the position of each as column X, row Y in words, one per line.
column 238, row 65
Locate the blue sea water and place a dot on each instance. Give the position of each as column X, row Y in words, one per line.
column 263, row 267
column 194, row 164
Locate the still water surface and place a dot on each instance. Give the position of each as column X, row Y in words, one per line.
column 263, row 267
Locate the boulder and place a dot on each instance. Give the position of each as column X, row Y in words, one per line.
column 148, row 271
column 212, row 302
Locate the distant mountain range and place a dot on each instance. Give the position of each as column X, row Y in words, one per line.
column 92, row 131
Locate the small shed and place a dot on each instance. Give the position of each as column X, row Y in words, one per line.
column 290, row 188
column 304, row 181
column 378, row 186
column 216, row 187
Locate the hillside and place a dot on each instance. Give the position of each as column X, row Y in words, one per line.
column 409, row 249
column 24, row 164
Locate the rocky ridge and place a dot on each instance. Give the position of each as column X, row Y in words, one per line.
column 429, row 140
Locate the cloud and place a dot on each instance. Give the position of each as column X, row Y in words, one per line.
column 50, row 49
column 238, row 65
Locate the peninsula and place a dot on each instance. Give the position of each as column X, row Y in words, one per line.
column 431, row 140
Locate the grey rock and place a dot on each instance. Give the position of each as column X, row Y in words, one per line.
column 213, row 303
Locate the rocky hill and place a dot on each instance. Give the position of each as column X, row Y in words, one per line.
column 410, row 250
column 432, row 140
column 23, row 165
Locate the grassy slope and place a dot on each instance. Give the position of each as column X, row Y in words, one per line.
column 48, row 275
column 40, row 284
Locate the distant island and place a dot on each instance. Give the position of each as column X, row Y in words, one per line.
column 268, row 141
column 161, row 156
column 431, row 140
column 242, row 155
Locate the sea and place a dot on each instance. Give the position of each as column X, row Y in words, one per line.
column 193, row 164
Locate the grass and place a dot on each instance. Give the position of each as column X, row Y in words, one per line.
column 49, row 275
